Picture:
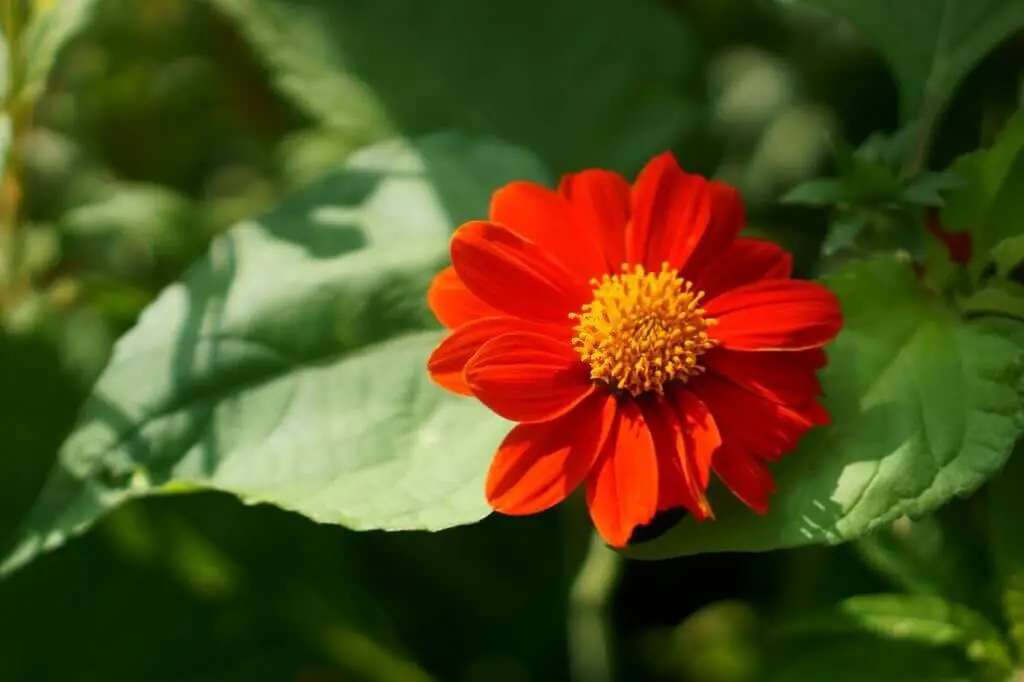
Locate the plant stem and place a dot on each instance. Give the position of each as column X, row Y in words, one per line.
column 10, row 184
column 590, row 656
column 917, row 160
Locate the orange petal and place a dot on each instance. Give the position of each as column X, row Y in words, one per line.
column 453, row 304
column 448, row 361
column 760, row 427
column 671, row 214
column 748, row 478
column 515, row 274
column 539, row 465
column 745, row 261
column 622, row 491
column 600, row 200
column 777, row 314
column 728, row 217
column 528, row 377
column 679, row 482
column 787, row 378
column 545, row 218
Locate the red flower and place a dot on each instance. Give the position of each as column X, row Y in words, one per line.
column 636, row 339
column 957, row 244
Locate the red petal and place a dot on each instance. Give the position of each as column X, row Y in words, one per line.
column 680, row 482
column 671, row 214
column 958, row 243
column 539, row 465
column 700, row 432
column 787, row 378
column 545, row 218
column 622, row 492
column 757, row 426
column 515, row 274
column 745, row 261
column 453, row 304
column 600, row 200
column 528, row 377
column 777, row 314
column 747, row 478
column 448, row 361
column 727, row 219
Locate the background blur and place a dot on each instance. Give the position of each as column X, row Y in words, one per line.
column 161, row 128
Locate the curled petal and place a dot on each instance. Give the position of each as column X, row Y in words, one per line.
column 777, row 314
column 539, row 465
column 671, row 214
column 682, row 468
column 747, row 477
column 745, row 261
column 545, row 218
column 453, row 304
column 622, row 491
column 448, row 361
column 515, row 275
column 600, row 200
column 527, row 377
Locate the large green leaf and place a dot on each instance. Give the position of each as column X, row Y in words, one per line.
column 53, row 24
column 289, row 364
column 930, row 45
column 990, row 203
column 1006, row 509
column 585, row 86
column 924, row 408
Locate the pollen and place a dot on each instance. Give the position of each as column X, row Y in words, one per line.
column 642, row 330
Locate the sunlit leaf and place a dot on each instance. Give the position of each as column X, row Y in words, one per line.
column 289, row 364
column 925, row 407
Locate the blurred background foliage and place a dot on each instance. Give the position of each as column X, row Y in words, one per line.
column 162, row 126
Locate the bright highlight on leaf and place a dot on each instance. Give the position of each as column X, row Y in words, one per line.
column 639, row 341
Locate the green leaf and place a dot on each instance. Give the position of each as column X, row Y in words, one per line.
column 925, row 407
column 998, row 297
column 868, row 181
column 990, row 204
column 916, row 621
column 930, row 45
column 288, row 366
column 1006, row 508
column 53, row 24
column 586, row 87
column 926, row 189
column 816, row 192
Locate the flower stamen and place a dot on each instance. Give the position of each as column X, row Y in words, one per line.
column 642, row 330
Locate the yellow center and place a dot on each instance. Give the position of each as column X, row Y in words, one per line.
column 642, row 330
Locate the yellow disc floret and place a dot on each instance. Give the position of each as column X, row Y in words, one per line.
column 642, row 330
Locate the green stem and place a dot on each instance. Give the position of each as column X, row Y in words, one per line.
column 590, row 655
column 10, row 185
column 917, row 160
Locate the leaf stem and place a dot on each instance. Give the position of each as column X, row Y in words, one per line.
column 917, row 160
column 590, row 656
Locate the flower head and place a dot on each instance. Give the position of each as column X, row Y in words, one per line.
column 636, row 339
